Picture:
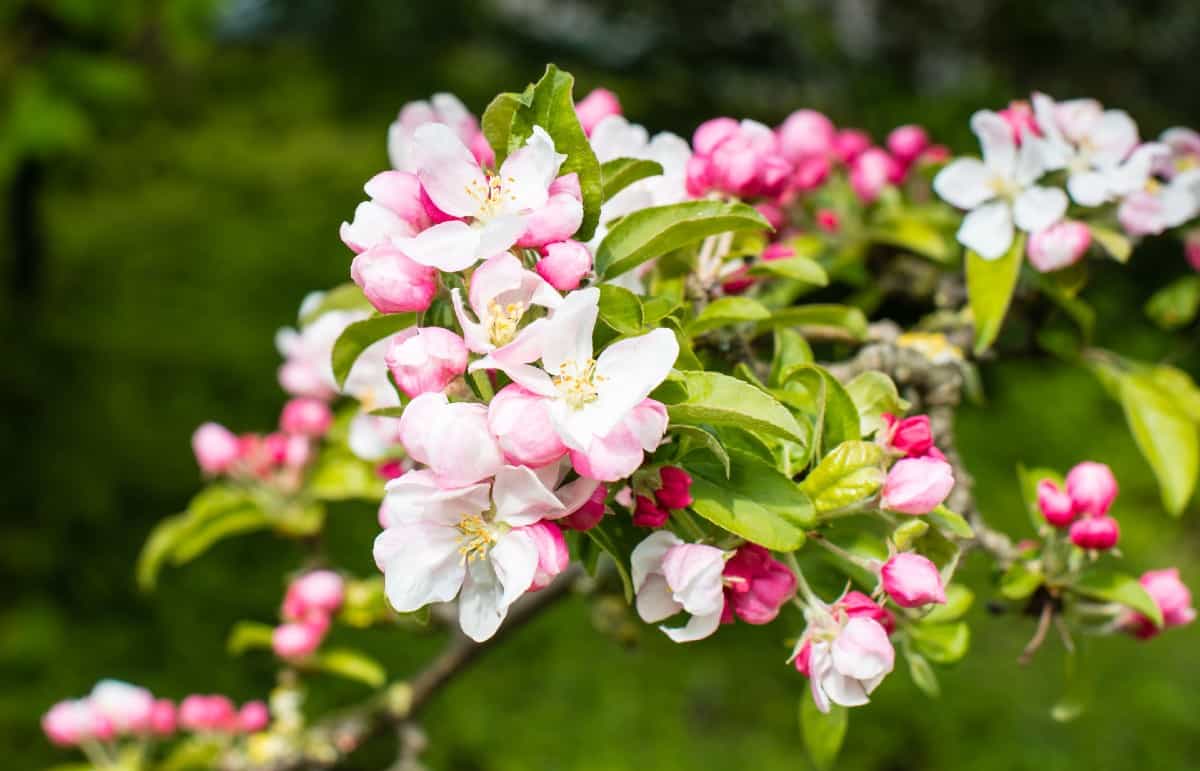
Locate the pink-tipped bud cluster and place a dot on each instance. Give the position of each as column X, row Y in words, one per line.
column 1191, row 249
column 756, row 585
column 215, row 713
column 303, row 421
column 589, row 514
column 674, row 492
column 308, row 609
column 739, row 158
column 305, row 416
column 1082, row 506
column 912, row 581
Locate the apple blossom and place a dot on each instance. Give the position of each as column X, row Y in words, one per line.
column 756, row 585
column 1092, row 488
column 502, row 291
column 492, row 207
column 911, row 437
column 735, row 158
column 443, row 108
column 671, row 576
column 553, row 557
column 306, row 416
column 907, row 142
column 912, row 581
column 599, row 104
column 1059, row 246
column 1161, row 206
column 565, row 264
column 424, row 359
column 126, row 707
column 647, row 513
column 472, row 542
column 216, row 448
column 999, row 191
column 559, row 218
column 253, row 716
column 806, row 134
column 1021, row 120
column 1172, row 598
column 296, row 640
column 520, row 421
column 69, row 722
column 307, row 352
column 163, row 718
column 870, row 172
column 1055, row 504
column 394, row 211
column 850, row 143
column 845, row 658
column 391, row 282
column 1095, row 532
column 452, row 439
column 317, row 593
column 917, row 485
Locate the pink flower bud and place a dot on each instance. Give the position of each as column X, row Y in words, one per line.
column 855, row 604
column 595, row 107
column 912, row 581
column 589, row 514
column 216, row 448
column 712, row 133
column 1099, row 533
column 734, row 167
column 163, row 718
column 805, row 134
column 559, row 218
column 828, row 220
column 934, row 154
column 565, row 265
column 125, row 707
column 68, row 722
column 1191, row 249
column 520, row 421
column 1172, row 597
column 676, row 490
column 738, row 281
column 293, row 641
column 647, row 514
column 911, row 436
column 697, row 179
column 1092, row 488
column 1021, row 120
column 202, row 713
column 306, row 416
column 1054, row 503
column 400, row 192
column 390, row 469
column 426, row 359
column 810, row 173
column 253, row 716
column 774, row 175
column 553, row 557
column 756, row 585
column 850, row 143
column 907, row 142
column 392, row 282
column 482, row 150
column 870, row 173
column 917, row 485
column 1061, row 245
column 320, row 592
column 778, row 251
column 772, row 213
column 274, row 448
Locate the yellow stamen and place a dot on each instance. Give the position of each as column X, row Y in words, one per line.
column 476, row 539
column 503, row 320
column 577, row 381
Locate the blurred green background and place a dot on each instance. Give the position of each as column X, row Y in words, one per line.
column 174, row 172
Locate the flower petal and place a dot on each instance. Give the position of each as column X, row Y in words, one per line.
column 964, row 183
column 449, row 246
column 654, row 600
column 421, row 564
column 449, row 173
column 697, row 628
column 1088, row 188
column 996, row 140
column 527, row 173
column 1039, row 207
column 521, row 497
column 498, row 234
column 514, row 559
column 988, row 230
column 648, row 555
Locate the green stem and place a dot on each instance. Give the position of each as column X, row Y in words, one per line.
column 483, row 385
column 838, row 551
column 805, row 590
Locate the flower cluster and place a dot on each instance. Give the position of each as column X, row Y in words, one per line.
column 308, row 609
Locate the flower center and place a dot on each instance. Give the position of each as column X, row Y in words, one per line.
column 476, row 537
column 490, row 193
column 577, row 381
column 1153, row 186
column 1003, row 187
column 503, row 320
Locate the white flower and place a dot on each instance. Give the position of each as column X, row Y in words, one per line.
column 999, row 190
column 1098, row 148
column 494, row 204
column 671, row 577
column 470, row 542
column 849, row 662
column 307, row 369
column 443, row 108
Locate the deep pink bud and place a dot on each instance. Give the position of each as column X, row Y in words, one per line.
column 565, row 265
column 738, row 281
column 520, row 420
column 292, row 641
column 559, row 218
column 1092, row 488
column 68, row 722
column 810, row 173
column 320, row 591
column 1172, row 597
column 1055, row 504
column 774, row 175
column 870, row 173
column 589, row 514
column 855, row 604
column 306, row 416
column 391, row 281
column 595, row 107
column 912, row 581
column 1059, row 246
column 756, row 585
column 676, row 490
column 712, row 133
column 850, row 143
column 162, row 718
column 907, row 142
column 1191, row 249
column 647, row 514
column 917, row 485
column 253, row 716
column 275, row 448
column 806, row 134
column 911, row 436
column 390, row 469
column 828, row 220
column 216, row 448
column 199, row 712
column 698, row 181
column 1099, row 533
column 551, row 550
column 778, row 251
column 426, row 359
column 803, row 657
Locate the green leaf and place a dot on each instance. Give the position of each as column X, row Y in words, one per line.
column 249, row 635
column 873, row 394
column 958, row 601
column 339, row 475
column 350, row 664
column 653, row 232
column 791, row 350
column 990, row 286
column 192, row 754
column 727, row 311
column 498, row 117
column 820, row 321
column 694, row 438
column 360, row 336
column 941, row 643
column 836, row 416
column 617, row 536
column 915, row 235
column 345, row 297
column 1176, row 304
column 922, row 674
column 851, row 472
column 157, row 550
column 1166, row 436
column 621, row 310
column 803, row 269
column 1118, row 246
column 620, row 173
column 823, row 732
column 1179, row 386
column 552, row 107
column 199, row 537
column 716, row 399
column 950, row 523
column 756, row 502
column 1116, row 587
column 1019, row 581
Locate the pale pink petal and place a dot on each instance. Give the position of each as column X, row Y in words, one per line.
column 449, row 246
column 447, row 170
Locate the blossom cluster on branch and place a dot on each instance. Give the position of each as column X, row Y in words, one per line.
column 567, row 342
